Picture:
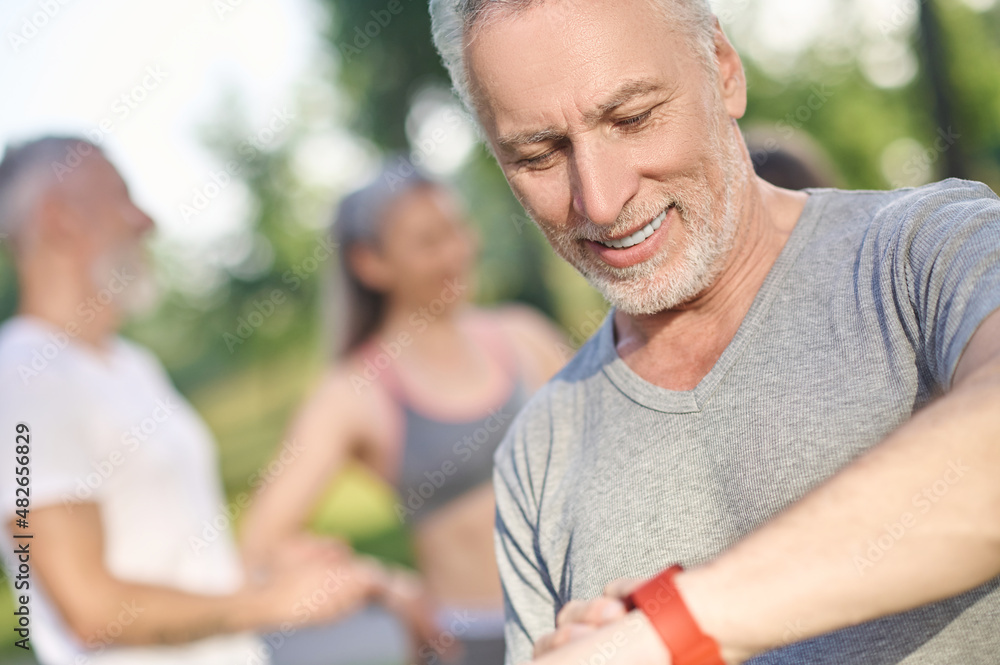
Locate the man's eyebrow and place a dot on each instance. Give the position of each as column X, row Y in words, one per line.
column 625, row 92
column 517, row 139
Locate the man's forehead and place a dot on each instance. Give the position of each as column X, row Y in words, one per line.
column 539, row 58
column 94, row 170
column 601, row 104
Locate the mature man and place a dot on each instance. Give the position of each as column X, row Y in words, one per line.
column 115, row 474
column 795, row 396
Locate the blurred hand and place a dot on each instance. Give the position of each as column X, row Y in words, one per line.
column 303, row 547
column 581, row 618
column 325, row 584
column 405, row 595
column 292, row 551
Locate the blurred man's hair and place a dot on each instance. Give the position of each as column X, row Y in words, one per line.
column 790, row 159
column 453, row 20
column 28, row 170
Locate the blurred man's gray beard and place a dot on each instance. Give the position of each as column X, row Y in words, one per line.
column 645, row 288
column 128, row 268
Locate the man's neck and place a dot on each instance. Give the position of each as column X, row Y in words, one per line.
column 55, row 294
column 677, row 348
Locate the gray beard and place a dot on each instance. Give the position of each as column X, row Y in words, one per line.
column 651, row 287
column 140, row 294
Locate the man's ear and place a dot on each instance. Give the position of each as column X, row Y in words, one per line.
column 732, row 80
column 370, row 267
column 56, row 224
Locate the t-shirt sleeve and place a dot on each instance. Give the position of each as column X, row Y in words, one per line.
column 952, row 269
column 61, row 466
column 529, row 597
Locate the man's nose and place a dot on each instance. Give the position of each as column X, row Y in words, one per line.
column 602, row 181
column 141, row 222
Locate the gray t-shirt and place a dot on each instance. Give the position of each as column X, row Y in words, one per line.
column 860, row 322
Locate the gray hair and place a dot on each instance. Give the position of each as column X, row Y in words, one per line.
column 453, row 20
column 29, row 170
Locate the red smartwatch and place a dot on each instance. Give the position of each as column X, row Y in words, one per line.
column 662, row 604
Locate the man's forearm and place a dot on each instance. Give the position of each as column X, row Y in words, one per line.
column 915, row 520
column 138, row 614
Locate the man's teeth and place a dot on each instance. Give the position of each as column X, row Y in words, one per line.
column 639, row 235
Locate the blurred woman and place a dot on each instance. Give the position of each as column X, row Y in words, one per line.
column 422, row 393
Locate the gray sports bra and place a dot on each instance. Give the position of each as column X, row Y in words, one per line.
column 442, row 460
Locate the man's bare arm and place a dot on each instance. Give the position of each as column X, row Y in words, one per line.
column 931, row 487
column 68, row 558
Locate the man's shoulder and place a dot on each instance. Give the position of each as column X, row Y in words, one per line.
column 576, row 376
column 559, row 401
column 898, row 208
column 42, row 360
column 31, row 356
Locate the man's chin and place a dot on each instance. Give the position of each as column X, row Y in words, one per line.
column 651, row 294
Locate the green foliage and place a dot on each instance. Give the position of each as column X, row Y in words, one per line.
column 385, row 58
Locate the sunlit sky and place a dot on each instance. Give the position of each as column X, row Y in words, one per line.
column 67, row 73
column 176, row 63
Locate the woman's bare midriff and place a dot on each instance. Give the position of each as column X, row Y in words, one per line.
column 455, row 556
column 454, row 544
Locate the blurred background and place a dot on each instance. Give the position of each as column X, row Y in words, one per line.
column 238, row 125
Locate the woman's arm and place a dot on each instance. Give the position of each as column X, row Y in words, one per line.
column 330, row 428
column 540, row 348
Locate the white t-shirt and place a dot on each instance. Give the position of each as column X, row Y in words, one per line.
column 111, row 429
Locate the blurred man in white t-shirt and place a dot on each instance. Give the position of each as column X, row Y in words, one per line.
column 123, row 474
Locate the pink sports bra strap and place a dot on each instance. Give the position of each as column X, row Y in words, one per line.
column 498, row 345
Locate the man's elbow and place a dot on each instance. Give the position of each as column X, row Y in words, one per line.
column 100, row 621
column 88, row 629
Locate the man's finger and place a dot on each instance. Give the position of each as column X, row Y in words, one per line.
column 569, row 612
column 595, row 612
column 560, row 637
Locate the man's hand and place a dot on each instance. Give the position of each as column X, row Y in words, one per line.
column 581, row 618
column 628, row 640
